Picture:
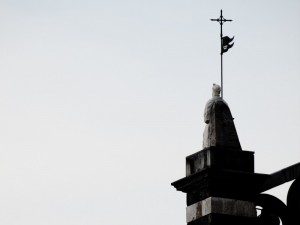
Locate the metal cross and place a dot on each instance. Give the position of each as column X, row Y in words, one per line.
column 221, row 20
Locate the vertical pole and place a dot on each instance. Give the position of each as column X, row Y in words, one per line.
column 221, row 20
column 221, row 75
column 221, row 36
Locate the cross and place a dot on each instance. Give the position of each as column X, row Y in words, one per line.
column 221, row 20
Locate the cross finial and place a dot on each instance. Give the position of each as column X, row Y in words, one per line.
column 225, row 44
column 221, row 19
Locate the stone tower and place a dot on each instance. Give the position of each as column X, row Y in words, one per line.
column 220, row 183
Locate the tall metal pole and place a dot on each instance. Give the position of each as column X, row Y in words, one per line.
column 221, row 36
column 221, row 20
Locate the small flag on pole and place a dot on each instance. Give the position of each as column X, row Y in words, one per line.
column 226, row 45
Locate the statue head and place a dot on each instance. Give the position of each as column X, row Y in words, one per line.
column 216, row 89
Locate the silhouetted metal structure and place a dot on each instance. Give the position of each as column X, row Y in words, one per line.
column 225, row 44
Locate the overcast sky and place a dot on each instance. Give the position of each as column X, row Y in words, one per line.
column 101, row 101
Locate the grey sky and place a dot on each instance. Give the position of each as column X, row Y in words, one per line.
column 101, row 101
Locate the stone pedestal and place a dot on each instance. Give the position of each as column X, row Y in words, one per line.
column 221, row 187
column 214, row 157
column 224, row 206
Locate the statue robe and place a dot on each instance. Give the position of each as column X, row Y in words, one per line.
column 219, row 131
